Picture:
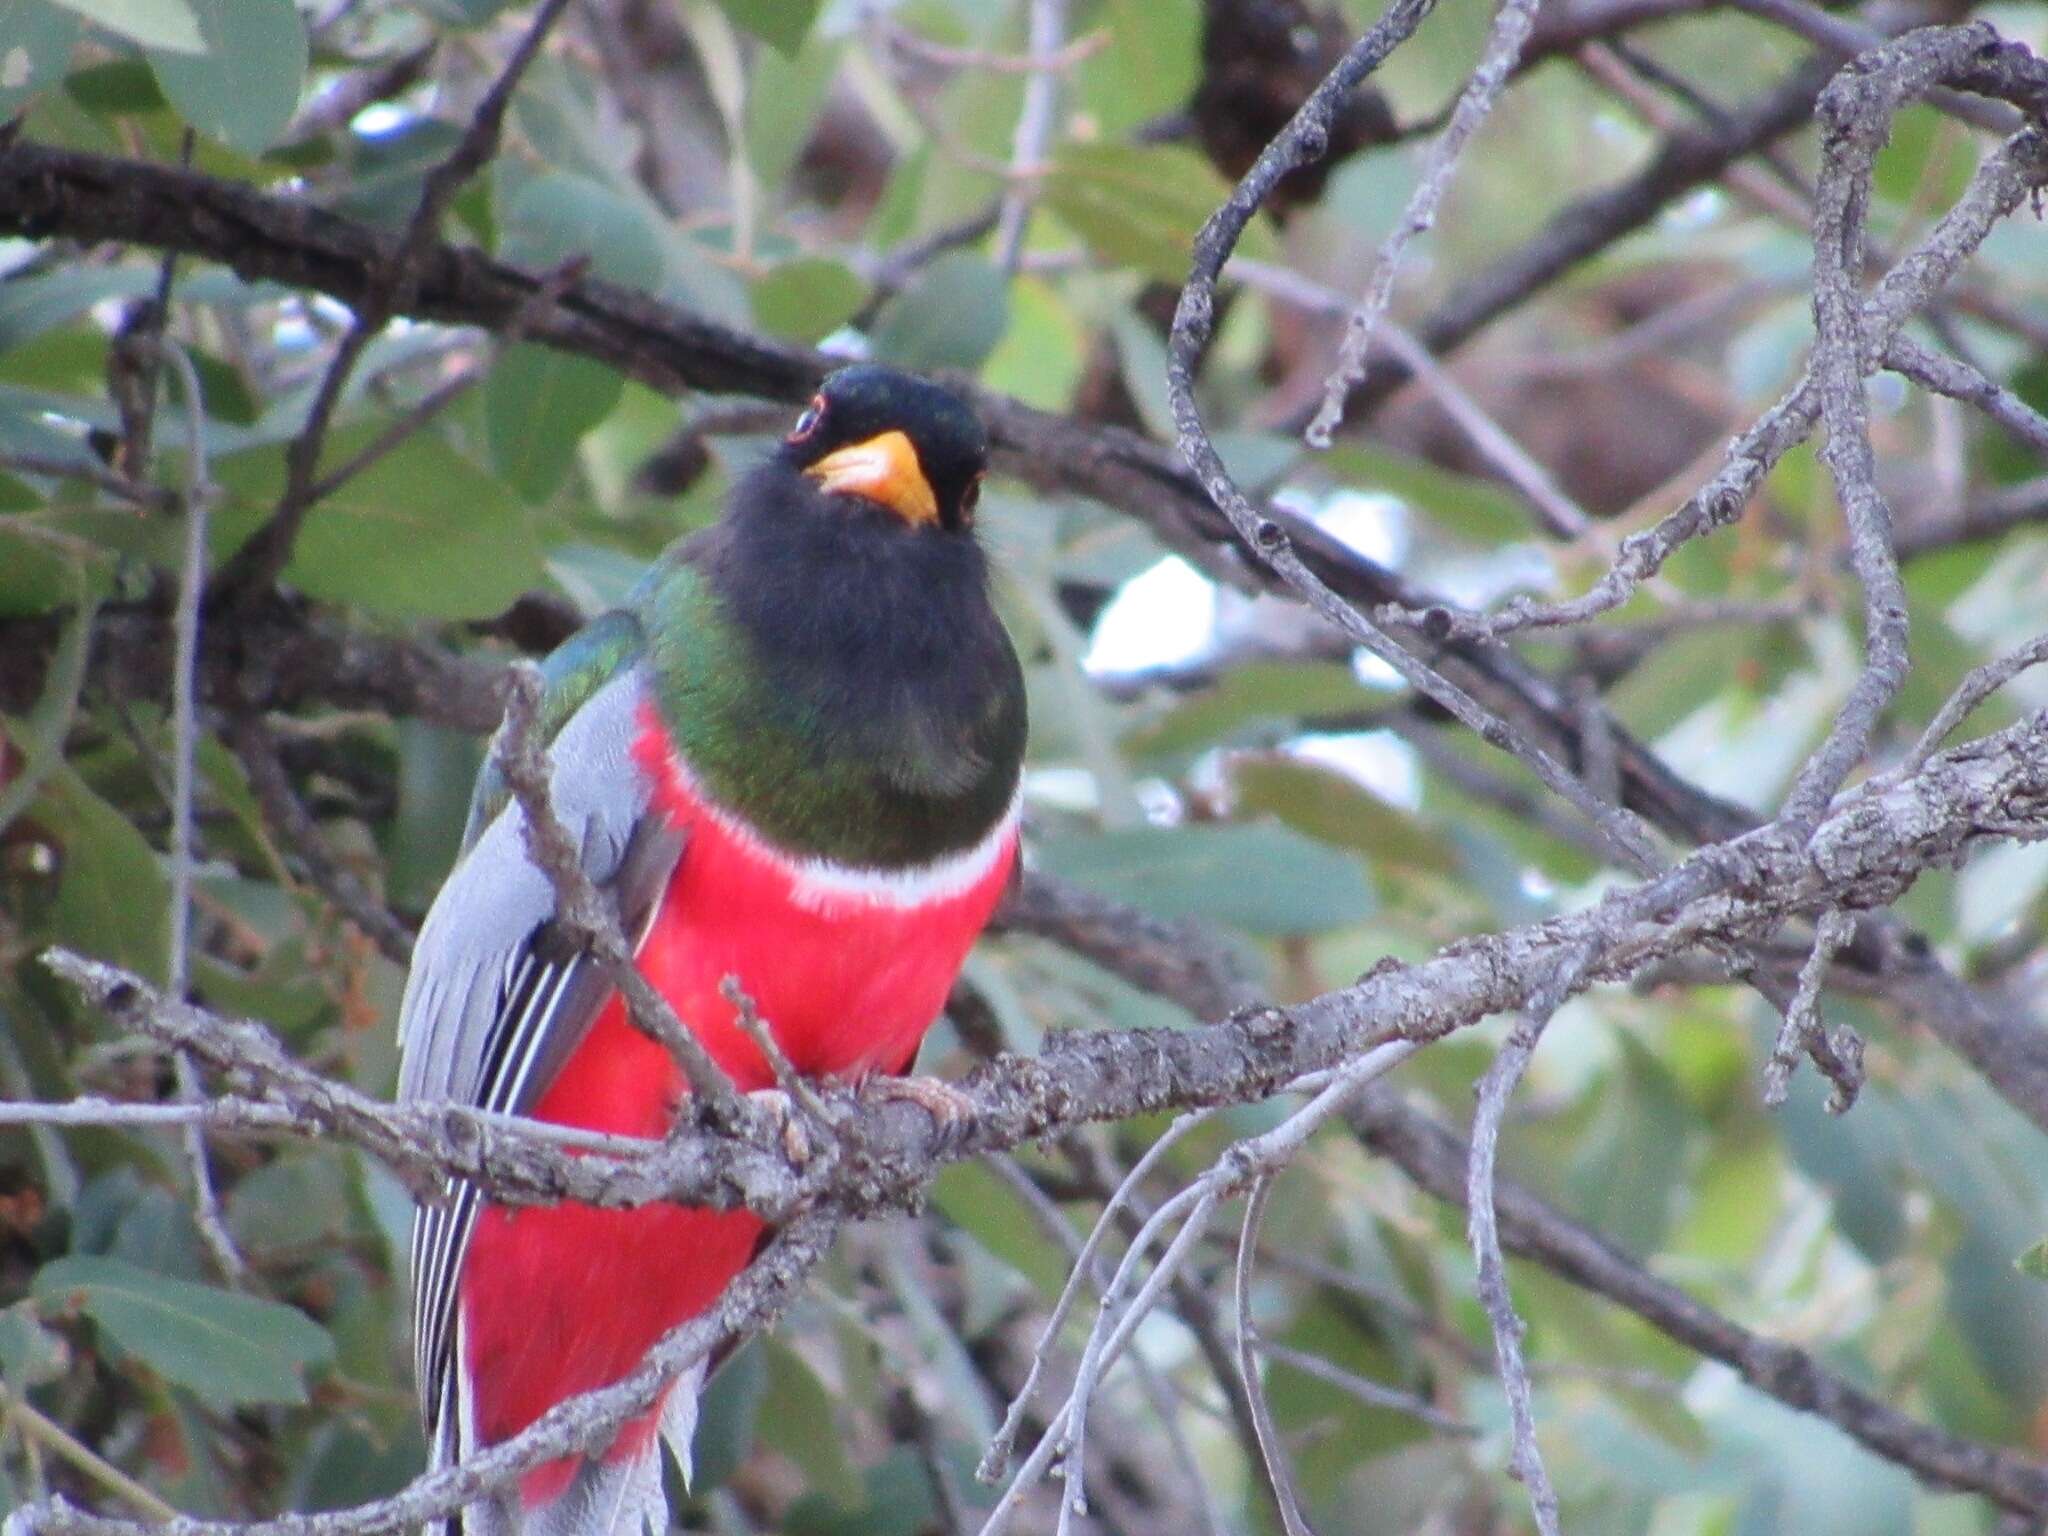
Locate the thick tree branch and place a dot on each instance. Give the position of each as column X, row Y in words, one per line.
column 1878, row 840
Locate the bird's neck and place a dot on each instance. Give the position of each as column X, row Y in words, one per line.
column 849, row 697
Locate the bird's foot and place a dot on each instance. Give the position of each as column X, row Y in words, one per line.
column 953, row 1112
column 789, row 1122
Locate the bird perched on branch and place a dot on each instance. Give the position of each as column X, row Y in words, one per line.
column 792, row 760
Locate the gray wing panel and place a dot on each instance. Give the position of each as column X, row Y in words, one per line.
column 497, row 1000
column 477, row 930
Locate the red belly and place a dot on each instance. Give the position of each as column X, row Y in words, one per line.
column 557, row 1300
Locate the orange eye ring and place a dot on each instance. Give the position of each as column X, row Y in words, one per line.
column 807, row 423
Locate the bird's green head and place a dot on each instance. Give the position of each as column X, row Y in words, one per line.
column 895, row 441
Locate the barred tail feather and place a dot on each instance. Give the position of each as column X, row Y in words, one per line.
column 605, row 1498
column 625, row 1497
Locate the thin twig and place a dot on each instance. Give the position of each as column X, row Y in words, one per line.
column 1840, row 1055
column 1511, row 26
column 553, row 284
column 1372, row 1393
column 257, row 564
column 747, row 1015
column 1086, row 1262
column 289, row 819
column 16, row 1410
column 996, row 1459
column 1193, row 1207
column 2002, row 182
column 1194, row 319
column 55, row 711
column 1057, row 60
column 1979, row 685
column 1856, row 112
column 197, row 502
column 1114, row 1323
column 1560, row 516
column 1964, row 381
column 367, row 85
column 1035, row 124
column 1279, row 1469
column 523, row 759
column 1438, row 1162
column 137, row 493
column 1495, row 1088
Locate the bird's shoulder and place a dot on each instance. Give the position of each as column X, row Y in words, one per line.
column 571, row 676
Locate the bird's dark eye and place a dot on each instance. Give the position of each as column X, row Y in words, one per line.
column 970, row 499
column 807, row 423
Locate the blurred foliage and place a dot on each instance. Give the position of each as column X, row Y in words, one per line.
column 1194, row 752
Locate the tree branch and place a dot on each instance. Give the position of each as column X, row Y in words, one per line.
column 1436, row 1160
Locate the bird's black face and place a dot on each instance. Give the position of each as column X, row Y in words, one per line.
column 893, row 439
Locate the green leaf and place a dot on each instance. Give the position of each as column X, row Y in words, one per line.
column 1044, row 350
column 784, row 97
column 72, row 360
column 781, row 24
column 982, row 1205
column 728, row 1416
column 1330, row 808
column 1463, row 505
column 538, row 403
column 157, row 1233
column 229, row 1348
column 1261, row 878
column 1140, row 205
column 225, row 392
column 1641, row 1125
column 245, row 87
column 1685, row 672
column 807, row 299
column 1149, row 67
column 29, row 1353
column 436, row 767
column 423, row 531
column 1262, row 693
column 29, row 306
column 294, row 1203
column 112, row 899
column 558, row 216
column 463, row 13
column 385, row 170
column 1926, row 156
column 36, row 39
column 37, row 573
column 2034, row 1261
column 952, row 316
column 797, row 1419
column 121, row 87
column 165, row 24
column 896, row 1500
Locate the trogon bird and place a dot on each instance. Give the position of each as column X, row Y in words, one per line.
column 791, row 758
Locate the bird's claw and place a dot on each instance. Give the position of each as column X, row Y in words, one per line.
column 953, row 1112
column 788, row 1121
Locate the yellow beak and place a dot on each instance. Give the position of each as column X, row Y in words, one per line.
column 884, row 469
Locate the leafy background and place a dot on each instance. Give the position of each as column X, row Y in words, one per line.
column 768, row 164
